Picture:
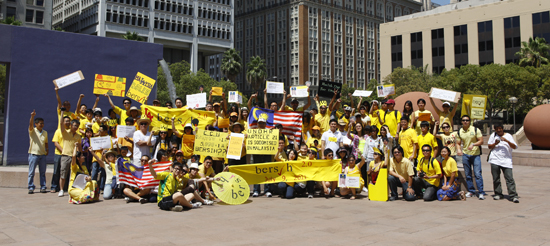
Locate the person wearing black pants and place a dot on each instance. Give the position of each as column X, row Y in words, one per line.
column 428, row 177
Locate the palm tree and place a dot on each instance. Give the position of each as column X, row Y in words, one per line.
column 132, row 36
column 11, row 21
column 533, row 53
column 231, row 64
column 256, row 72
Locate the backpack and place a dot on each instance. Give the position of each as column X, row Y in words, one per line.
column 432, row 163
column 395, row 111
column 475, row 131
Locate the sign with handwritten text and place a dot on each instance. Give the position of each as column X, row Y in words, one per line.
column 141, row 88
column 262, row 141
column 210, row 143
column 445, row 95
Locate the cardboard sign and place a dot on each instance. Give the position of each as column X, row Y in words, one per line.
column 217, row 91
column 69, row 79
column 385, row 90
column 235, row 147
column 98, row 143
column 141, row 88
column 444, row 95
column 262, row 141
column 235, row 96
column 210, row 143
column 125, row 131
column 110, row 85
column 275, row 87
column 424, row 117
column 223, row 123
column 299, row 91
column 379, row 191
column 326, row 89
column 196, row 100
column 361, row 93
column 474, row 106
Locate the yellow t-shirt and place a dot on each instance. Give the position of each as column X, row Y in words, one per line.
column 57, row 138
column 122, row 113
column 168, row 185
column 323, row 121
column 187, row 146
column 404, row 168
column 208, row 173
column 428, row 139
column 244, row 123
column 374, row 119
column 95, row 127
column 445, row 117
column 68, row 141
column 67, row 113
column 37, row 141
column 391, row 121
column 99, row 154
column 426, row 166
column 469, row 137
column 449, row 167
column 418, row 122
column 302, row 157
column 311, row 142
column 407, row 138
column 288, row 108
column 356, row 170
column 83, row 124
column 372, row 165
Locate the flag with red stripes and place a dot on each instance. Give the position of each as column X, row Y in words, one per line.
column 291, row 120
column 140, row 177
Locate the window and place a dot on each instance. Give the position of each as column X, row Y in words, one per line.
column 29, row 16
column 39, row 17
column 11, row 12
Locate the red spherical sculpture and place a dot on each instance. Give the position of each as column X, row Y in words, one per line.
column 413, row 97
column 536, row 126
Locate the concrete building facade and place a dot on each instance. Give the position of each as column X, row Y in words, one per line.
column 31, row 13
column 470, row 32
column 189, row 30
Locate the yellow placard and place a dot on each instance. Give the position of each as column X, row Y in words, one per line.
column 141, row 88
column 424, row 117
column 235, row 147
column 474, row 106
column 478, row 102
column 478, row 113
column 262, row 141
column 210, row 143
column 379, row 191
column 110, row 85
column 160, row 116
column 217, row 91
column 290, row 171
column 223, row 123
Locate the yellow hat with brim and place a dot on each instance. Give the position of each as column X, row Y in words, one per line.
column 377, row 151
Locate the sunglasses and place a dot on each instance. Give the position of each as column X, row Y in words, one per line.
column 426, row 150
column 445, row 127
column 143, row 124
column 396, row 153
column 163, row 133
column 127, row 103
column 465, row 120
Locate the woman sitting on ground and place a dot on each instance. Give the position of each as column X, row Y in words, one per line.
column 355, row 170
column 451, row 184
column 90, row 191
column 375, row 165
column 109, row 164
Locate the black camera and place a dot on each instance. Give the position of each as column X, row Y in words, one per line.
column 421, row 174
column 62, row 109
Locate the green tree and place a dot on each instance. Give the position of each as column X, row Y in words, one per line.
column 533, row 53
column 256, row 72
column 132, row 36
column 231, row 64
column 11, row 21
column 177, row 70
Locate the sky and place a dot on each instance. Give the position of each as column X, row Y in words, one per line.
column 441, row 2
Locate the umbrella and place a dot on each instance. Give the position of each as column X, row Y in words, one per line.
column 231, row 188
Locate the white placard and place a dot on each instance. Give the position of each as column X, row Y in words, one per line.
column 69, row 79
column 235, row 96
column 299, row 91
column 361, row 93
column 275, row 87
column 101, row 142
column 196, row 100
column 445, row 95
column 353, row 181
column 234, row 137
column 125, row 131
column 80, row 181
column 385, row 90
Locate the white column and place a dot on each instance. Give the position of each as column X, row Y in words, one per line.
column 102, row 12
column 194, row 59
column 151, row 36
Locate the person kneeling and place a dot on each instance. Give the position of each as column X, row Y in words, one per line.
column 353, row 169
column 429, row 175
column 402, row 174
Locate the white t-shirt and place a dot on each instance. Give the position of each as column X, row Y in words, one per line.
column 365, row 120
column 332, row 140
column 142, row 150
column 368, row 152
column 501, row 155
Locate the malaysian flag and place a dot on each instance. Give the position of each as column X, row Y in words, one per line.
column 140, row 177
column 291, row 121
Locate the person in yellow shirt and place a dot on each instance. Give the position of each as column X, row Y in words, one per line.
column 84, row 122
column 375, row 113
column 322, row 119
column 294, row 104
column 421, row 112
column 122, row 112
column 187, row 139
column 315, row 139
column 64, row 108
column 472, row 138
column 58, row 142
column 427, row 138
column 206, row 170
column 451, row 184
column 70, row 138
column 446, row 115
column 38, row 150
column 90, row 192
column 391, row 118
column 429, row 174
column 401, row 173
column 408, row 139
column 237, row 127
column 80, row 110
column 302, row 154
column 286, row 189
column 354, row 169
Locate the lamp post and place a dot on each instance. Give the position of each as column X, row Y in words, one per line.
column 513, row 101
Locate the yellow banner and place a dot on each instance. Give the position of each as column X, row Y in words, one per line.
column 160, row 116
column 140, row 88
column 262, row 141
column 474, row 106
column 111, row 85
column 290, row 171
column 210, row 143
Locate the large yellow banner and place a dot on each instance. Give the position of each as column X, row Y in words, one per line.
column 210, row 143
column 111, row 85
column 290, row 171
column 262, row 141
column 160, row 116
column 141, row 88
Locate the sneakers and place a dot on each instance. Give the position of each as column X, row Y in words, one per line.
column 255, row 194
column 142, row 200
column 60, row 194
column 393, row 198
column 515, row 200
column 469, row 194
column 310, row 196
column 496, row 197
column 127, row 199
column 31, row 191
column 365, row 190
column 177, row 208
column 197, row 205
column 43, row 191
column 481, row 197
column 268, row 194
column 462, row 195
column 208, row 202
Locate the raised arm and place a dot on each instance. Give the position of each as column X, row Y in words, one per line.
column 31, row 125
column 59, row 104
column 437, row 110
column 283, row 104
column 224, row 100
column 239, row 110
column 436, row 129
column 454, row 109
column 265, row 98
column 210, row 96
column 78, row 104
column 178, row 134
column 359, row 104
column 110, row 101
column 362, row 159
column 151, row 169
column 250, row 100
column 96, row 101
column 99, row 160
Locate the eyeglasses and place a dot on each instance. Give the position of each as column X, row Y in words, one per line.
column 465, row 120
column 396, row 152
column 178, row 169
column 445, row 127
column 142, row 160
column 426, row 150
column 163, row 133
column 127, row 103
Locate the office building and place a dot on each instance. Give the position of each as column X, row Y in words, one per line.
column 31, row 13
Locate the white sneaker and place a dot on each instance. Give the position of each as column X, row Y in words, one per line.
column 60, row 194
column 208, row 202
column 469, row 194
column 481, row 197
column 177, row 208
column 365, row 190
column 255, row 194
column 268, row 194
column 328, row 191
column 197, row 205
column 515, row 200
column 310, row 196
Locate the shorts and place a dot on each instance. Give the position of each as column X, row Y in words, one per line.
column 168, row 202
column 65, row 165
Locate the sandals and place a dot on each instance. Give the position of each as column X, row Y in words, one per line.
column 352, row 198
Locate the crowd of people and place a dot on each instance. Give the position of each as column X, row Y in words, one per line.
column 419, row 149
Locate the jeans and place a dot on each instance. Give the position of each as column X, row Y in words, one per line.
column 393, row 182
column 108, row 192
column 39, row 160
column 56, row 172
column 469, row 161
column 96, row 168
column 267, row 188
column 260, row 159
column 508, row 176
column 285, row 190
column 430, row 192
column 310, row 188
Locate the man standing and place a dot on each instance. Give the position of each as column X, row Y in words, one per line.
column 260, row 159
column 391, row 117
column 38, row 150
column 408, row 139
column 70, row 138
column 142, row 140
column 472, row 139
column 500, row 158
column 427, row 138
column 58, row 142
column 331, row 139
column 122, row 112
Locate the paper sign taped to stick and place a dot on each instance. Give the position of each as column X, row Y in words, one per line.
column 98, row 143
column 235, row 147
column 217, row 91
column 235, row 96
column 69, row 79
column 125, row 131
column 141, row 88
column 262, row 141
column 445, row 95
column 361, row 93
column 110, row 85
column 210, row 143
column 275, row 87
column 196, row 100
column 299, row 91
column 326, row 88
column 385, row 90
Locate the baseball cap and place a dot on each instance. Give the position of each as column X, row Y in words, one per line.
column 341, row 122
column 447, row 103
column 233, row 114
column 390, row 101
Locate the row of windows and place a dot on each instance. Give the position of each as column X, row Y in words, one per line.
column 33, row 16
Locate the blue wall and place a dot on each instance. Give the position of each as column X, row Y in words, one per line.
column 37, row 57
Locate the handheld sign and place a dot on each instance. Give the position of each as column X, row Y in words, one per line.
column 110, row 85
column 141, row 88
column 474, row 106
column 210, row 143
column 326, row 88
column 217, row 91
column 299, row 91
column 275, row 87
column 235, row 147
column 235, row 96
column 361, row 93
column 262, row 141
column 101, row 143
column 196, row 100
column 385, row 90
column 125, row 131
column 445, row 95
column 69, row 79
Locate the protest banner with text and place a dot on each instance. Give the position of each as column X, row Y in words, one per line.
column 274, row 87
column 474, row 106
column 262, row 141
column 160, row 116
column 69, row 79
column 210, row 143
column 235, row 146
column 141, row 88
column 196, row 100
column 445, row 95
column 110, row 85
column 326, row 88
column 98, row 143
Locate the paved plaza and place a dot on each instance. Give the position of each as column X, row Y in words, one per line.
column 45, row 219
